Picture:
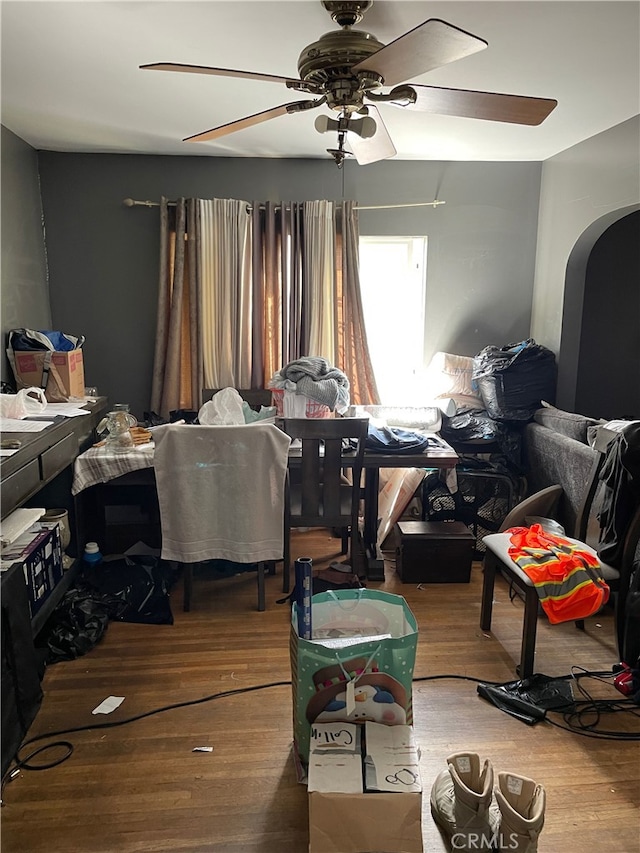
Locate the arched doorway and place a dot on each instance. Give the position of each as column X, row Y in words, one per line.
column 599, row 359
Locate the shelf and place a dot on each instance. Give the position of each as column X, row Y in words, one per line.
column 39, row 620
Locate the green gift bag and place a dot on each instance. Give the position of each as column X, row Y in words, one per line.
column 357, row 667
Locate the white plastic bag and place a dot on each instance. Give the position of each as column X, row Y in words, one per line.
column 225, row 407
column 28, row 401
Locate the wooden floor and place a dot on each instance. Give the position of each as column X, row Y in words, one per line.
column 140, row 786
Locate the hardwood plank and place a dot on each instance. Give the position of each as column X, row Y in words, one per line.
column 139, row 787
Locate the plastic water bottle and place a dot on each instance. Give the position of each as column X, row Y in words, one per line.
column 92, row 554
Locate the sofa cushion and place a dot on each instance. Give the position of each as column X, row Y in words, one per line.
column 566, row 423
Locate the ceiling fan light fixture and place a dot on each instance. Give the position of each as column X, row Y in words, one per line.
column 364, row 127
column 346, row 70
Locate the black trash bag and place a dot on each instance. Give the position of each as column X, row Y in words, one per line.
column 475, row 427
column 75, row 626
column 470, row 426
column 133, row 588
column 514, row 379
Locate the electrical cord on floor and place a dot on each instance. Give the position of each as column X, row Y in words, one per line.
column 462, row 677
column 19, row 763
column 577, row 717
column 574, row 719
column 586, row 714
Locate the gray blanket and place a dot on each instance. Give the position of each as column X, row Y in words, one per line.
column 317, row 379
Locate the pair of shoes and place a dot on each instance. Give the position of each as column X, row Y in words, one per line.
column 475, row 817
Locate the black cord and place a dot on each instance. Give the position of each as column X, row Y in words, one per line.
column 585, row 715
column 25, row 763
column 573, row 718
column 462, row 677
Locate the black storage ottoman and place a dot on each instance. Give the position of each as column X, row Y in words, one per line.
column 434, row 551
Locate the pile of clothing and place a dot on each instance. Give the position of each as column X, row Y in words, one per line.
column 315, row 378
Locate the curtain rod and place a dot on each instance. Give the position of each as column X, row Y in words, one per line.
column 131, row 202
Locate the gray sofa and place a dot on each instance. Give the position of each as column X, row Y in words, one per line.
column 556, row 449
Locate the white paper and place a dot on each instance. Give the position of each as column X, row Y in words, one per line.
column 8, row 452
column 336, row 773
column 392, row 762
column 345, row 642
column 335, row 737
column 18, row 522
column 108, row 705
column 15, row 425
column 69, row 410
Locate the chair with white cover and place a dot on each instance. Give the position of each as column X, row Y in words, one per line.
column 221, row 491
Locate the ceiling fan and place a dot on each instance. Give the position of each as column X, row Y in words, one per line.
column 349, row 69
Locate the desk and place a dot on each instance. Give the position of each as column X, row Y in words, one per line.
column 99, row 466
column 38, row 474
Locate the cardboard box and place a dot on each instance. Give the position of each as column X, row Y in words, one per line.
column 343, row 818
column 66, row 372
column 359, row 823
column 39, row 551
column 434, row 552
column 291, row 405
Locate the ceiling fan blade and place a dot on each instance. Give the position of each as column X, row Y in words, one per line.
column 292, row 82
column 430, row 45
column 249, row 121
column 375, row 148
column 491, row 106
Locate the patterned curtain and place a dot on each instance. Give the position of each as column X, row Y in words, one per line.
column 177, row 367
column 253, row 287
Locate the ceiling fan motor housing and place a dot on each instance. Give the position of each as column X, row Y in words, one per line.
column 332, row 57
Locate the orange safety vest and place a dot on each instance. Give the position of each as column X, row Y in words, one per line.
column 567, row 577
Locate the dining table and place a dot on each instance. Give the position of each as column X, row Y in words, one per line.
column 100, row 473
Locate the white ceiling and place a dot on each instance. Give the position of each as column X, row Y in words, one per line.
column 71, row 82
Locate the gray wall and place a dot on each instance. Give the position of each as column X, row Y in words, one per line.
column 597, row 181
column 103, row 256
column 25, row 290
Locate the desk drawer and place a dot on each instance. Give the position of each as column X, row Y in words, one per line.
column 21, row 484
column 59, row 456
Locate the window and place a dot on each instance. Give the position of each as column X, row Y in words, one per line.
column 393, row 283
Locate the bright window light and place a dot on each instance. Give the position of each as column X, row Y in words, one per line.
column 393, row 281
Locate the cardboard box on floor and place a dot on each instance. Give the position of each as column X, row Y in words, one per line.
column 343, row 818
column 359, row 823
column 66, row 372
